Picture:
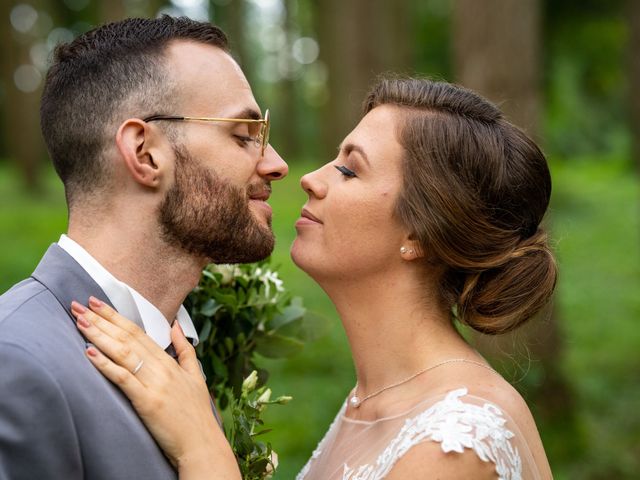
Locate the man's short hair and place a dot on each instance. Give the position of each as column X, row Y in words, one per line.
column 100, row 79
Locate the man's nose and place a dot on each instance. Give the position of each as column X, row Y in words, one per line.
column 271, row 166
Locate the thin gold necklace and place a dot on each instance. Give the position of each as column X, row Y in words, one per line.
column 355, row 401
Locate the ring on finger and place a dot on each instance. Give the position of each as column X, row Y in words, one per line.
column 137, row 367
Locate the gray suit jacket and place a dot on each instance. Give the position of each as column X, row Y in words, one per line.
column 59, row 417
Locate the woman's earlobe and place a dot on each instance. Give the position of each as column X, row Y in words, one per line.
column 411, row 250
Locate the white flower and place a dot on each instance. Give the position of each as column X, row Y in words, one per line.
column 228, row 272
column 249, row 383
column 268, row 278
column 271, row 468
column 265, row 397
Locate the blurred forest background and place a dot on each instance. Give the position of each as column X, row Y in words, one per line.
column 567, row 71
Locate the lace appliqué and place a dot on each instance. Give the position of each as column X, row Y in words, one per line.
column 454, row 424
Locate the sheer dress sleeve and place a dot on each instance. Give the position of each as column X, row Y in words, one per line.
column 359, row 450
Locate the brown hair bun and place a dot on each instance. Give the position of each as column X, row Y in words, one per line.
column 475, row 191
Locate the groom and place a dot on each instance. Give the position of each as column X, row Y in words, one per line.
column 153, row 197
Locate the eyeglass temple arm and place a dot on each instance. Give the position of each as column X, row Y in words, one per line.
column 204, row 119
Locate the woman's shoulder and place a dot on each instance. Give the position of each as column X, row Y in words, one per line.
column 481, row 429
column 468, row 425
column 428, row 460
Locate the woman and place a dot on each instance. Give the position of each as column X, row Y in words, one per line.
column 430, row 212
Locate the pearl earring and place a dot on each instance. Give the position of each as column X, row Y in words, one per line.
column 403, row 250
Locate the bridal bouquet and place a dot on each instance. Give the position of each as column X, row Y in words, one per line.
column 243, row 312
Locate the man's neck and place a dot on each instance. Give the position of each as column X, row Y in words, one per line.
column 162, row 274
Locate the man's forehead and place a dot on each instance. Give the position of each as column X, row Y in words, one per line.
column 206, row 73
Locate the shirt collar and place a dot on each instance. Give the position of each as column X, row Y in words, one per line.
column 127, row 301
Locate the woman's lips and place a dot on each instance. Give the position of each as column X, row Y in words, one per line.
column 307, row 218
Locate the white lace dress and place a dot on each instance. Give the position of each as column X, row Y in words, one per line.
column 361, row 450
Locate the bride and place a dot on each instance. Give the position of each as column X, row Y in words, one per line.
column 430, row 214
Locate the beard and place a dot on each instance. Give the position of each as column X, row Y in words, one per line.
column 208, row 217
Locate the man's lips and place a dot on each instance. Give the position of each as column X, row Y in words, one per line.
column 264, row 196
column 259, row 192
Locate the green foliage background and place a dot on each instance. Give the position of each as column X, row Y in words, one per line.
column 596, row 224
column 595, row 221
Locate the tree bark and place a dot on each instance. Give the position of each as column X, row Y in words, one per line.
column 111, row 11
column 359, row 39
column 289, row 143
column 25, row 146
column 633, row 16
column 497, row 52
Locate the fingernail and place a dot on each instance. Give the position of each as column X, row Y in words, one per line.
column 82, row 321
column 94, row 302
column 91, row 351
column 77, row 307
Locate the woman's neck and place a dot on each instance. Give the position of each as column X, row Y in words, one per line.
column 395, row 328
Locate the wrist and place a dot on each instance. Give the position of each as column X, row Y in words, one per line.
column 203, row 463
column 209, row 458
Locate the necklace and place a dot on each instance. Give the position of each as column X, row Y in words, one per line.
column 356, row 401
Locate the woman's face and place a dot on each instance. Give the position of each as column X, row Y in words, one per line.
column 348, row 227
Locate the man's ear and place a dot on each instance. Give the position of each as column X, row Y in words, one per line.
column 138, row 145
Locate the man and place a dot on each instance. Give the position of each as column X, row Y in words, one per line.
column 164, row 156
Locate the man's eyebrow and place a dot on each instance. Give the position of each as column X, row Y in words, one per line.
column 352, row 147
column 248, row 113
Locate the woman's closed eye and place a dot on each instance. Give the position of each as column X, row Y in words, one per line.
column 345, row 171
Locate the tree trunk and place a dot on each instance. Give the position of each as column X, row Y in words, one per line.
column 24, row 140
column 289, row 142
column 633, row 16
column 496, row 49
column 359, row 39
column 111, row 11
column 497, row 53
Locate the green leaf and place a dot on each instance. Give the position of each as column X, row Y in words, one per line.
column 210, row 307
column 288, row 315
column 278, row 346
column 229, row 344
column 314, row 326
column 226, row 299
column 206, row 330
column 219, row 368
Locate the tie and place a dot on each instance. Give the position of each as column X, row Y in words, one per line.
column 171, row 351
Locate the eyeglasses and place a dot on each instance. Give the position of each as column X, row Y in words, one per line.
column 258, row 128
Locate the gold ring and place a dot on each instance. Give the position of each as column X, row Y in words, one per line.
column 138, row 367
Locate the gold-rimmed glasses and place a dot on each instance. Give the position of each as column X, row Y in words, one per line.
column 260, row 137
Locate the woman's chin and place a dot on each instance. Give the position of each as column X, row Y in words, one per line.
column 297, row 254
column 302, row 257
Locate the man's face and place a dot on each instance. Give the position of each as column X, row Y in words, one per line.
column 216, row 208
column 209, row 217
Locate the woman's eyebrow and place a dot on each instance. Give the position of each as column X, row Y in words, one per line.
column 352, row 147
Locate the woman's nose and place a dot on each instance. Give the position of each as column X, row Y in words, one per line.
column 314, row 184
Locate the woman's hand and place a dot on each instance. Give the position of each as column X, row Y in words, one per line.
column 170, row 397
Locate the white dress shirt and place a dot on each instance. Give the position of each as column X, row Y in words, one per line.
column 127, row 301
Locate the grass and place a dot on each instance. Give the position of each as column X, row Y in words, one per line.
column 596, row 217
column 596, row 225
column 28, row 224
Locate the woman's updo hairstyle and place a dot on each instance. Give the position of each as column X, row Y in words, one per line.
column 475, row 191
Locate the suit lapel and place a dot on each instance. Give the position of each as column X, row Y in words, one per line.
column 66, row 279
